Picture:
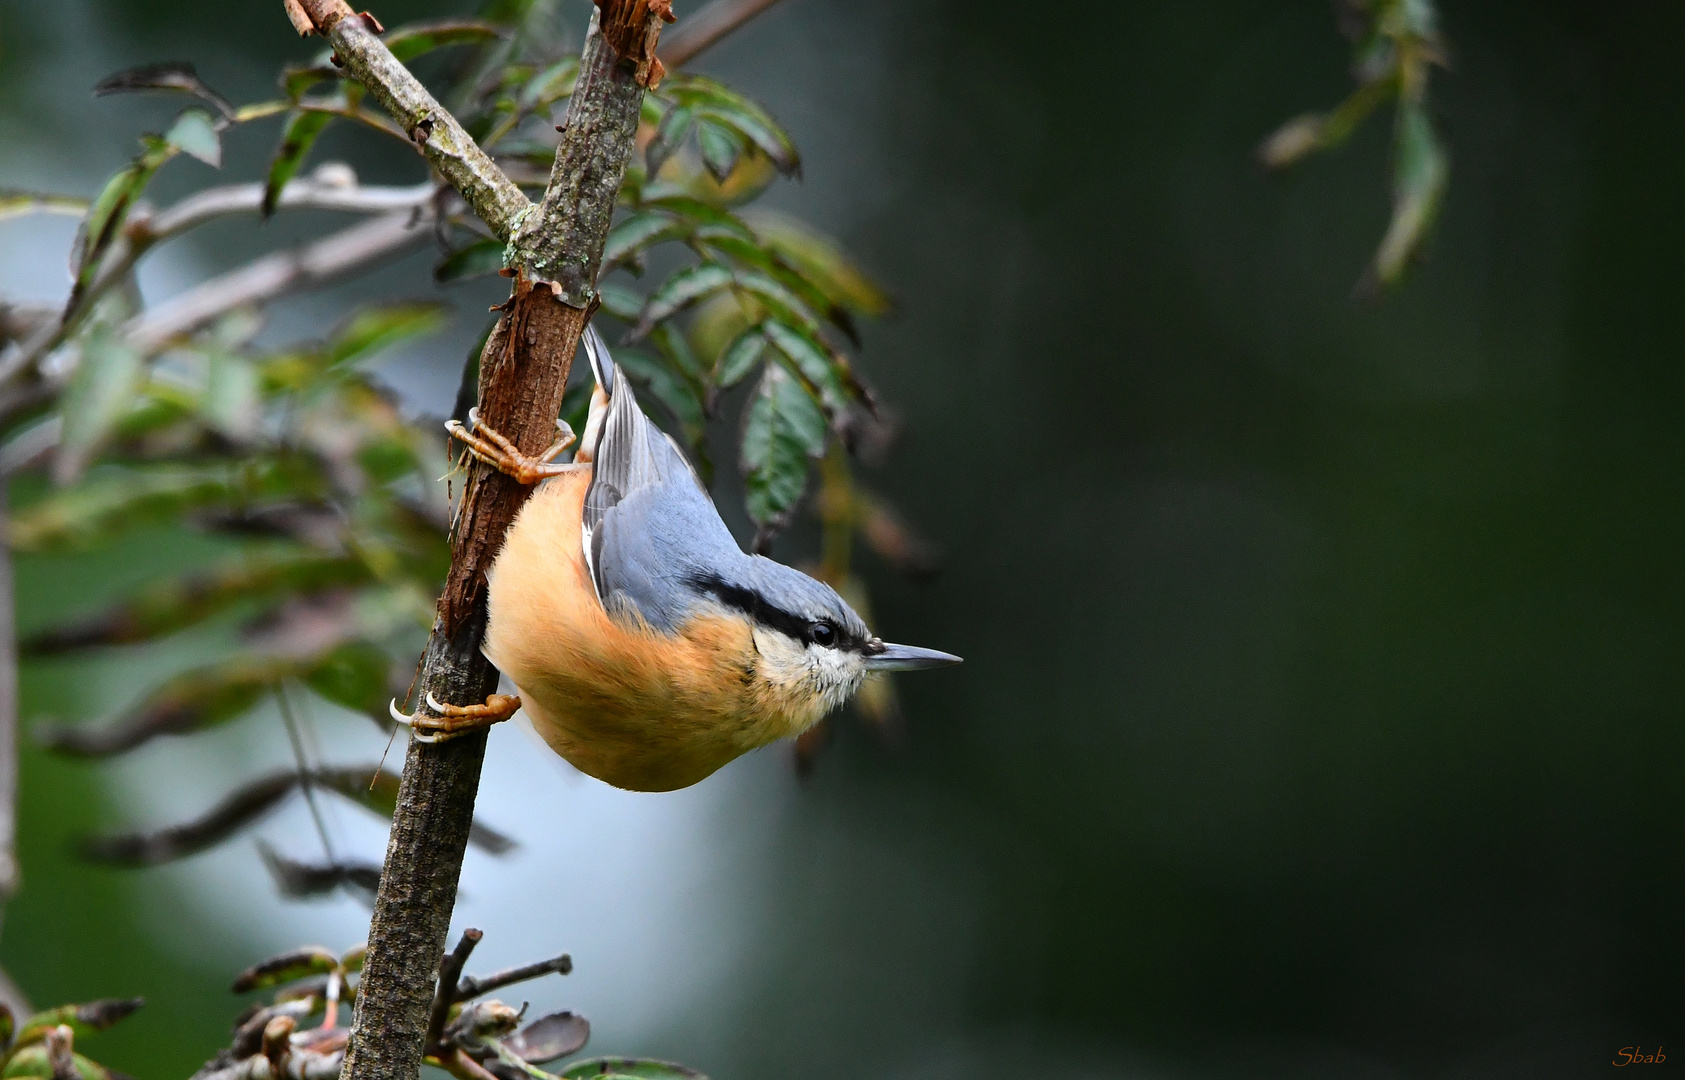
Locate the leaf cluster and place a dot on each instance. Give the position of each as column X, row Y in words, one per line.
column 44, row 1044
column 1396, row 44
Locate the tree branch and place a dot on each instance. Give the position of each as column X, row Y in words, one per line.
column 523, row 372
column 282, row 272
column 447, row 147
column 708, row 26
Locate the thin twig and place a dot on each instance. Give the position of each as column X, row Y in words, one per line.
column 269, row 277
column 707, row 26
column 447, row 147
column 471, row 987
column 450, row 969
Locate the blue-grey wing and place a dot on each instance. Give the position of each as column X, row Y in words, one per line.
column 648, row 522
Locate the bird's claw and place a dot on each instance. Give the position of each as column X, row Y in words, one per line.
column 489, row 445
column 454, row 720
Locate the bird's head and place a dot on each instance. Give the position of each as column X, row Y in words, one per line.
column 811, row 644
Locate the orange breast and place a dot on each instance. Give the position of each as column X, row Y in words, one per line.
column 629, row 705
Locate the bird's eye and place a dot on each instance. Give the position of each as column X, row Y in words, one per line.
column 822, row 633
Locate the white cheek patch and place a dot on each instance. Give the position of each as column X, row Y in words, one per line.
column 831, row 675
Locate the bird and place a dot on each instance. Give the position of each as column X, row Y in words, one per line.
column 646, row 647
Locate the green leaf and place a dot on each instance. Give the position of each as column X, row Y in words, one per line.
column 232, row 403
column 676, row 349
column 194, row 133
column 18, row 203
column 550, row 85
column 702, row 213
column 811, row 361
column 739, row 357
column 479, row 259
column 82, row 1020
column 670, row 388
column 720, row 149
column 297, row 137
column 414, row 39
column 638, row 1068
column 171, row 75
column 109, row 210
column 636, row 232
column 353, row 675
column 783, row 431
column 117, row 498
column 1420, row 171
column 680, row 291
column 778, row 298
column 285, row 968
column 621, row 301
column 101, row 390
column 713, row 101
column 820, row 260
column 194, row 700
column 374, row 329
column 296, row 79
column 675, row 126
column 32, row 1061
column 259, row 578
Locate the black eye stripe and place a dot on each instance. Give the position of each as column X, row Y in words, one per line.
column 763, row 611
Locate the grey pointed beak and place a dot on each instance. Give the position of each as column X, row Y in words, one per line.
column 882, row 656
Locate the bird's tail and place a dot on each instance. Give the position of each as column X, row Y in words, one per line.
column 602, row 364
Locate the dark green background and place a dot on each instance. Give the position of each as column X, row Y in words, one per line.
column 1321, row 714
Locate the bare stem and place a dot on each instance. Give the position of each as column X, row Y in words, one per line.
column 447, row 147
column 471, row 987
column 708, row 26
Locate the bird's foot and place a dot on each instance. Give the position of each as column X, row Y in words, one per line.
column 489, row 445
column 456, row 720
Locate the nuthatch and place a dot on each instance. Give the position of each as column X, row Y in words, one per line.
column 647, row 648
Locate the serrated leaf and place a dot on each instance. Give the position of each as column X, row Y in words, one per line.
column 720, row 149
column 297, row 137
column 176, row 75
column 19, row 203
column 374, row 329
column 479, row 259
column 101, row 390
column 194, row 133
column 821, row 260
column 675, row 127
column 637, row 1068
column 637, row 232
column 783, row 431
column 813, row 362
column 739, row 357
column 702, row 213
column 680, row 291
column 754, row 124
column 415, row 39
column 779, row 299
column 285, row 968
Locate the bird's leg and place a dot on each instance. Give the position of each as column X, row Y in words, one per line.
column 489, row 445
column 455, row 720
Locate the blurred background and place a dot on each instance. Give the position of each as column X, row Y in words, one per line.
column 1324, row 659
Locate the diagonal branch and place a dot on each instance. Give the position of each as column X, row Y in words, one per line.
column 708, row 26
column 447, row 147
